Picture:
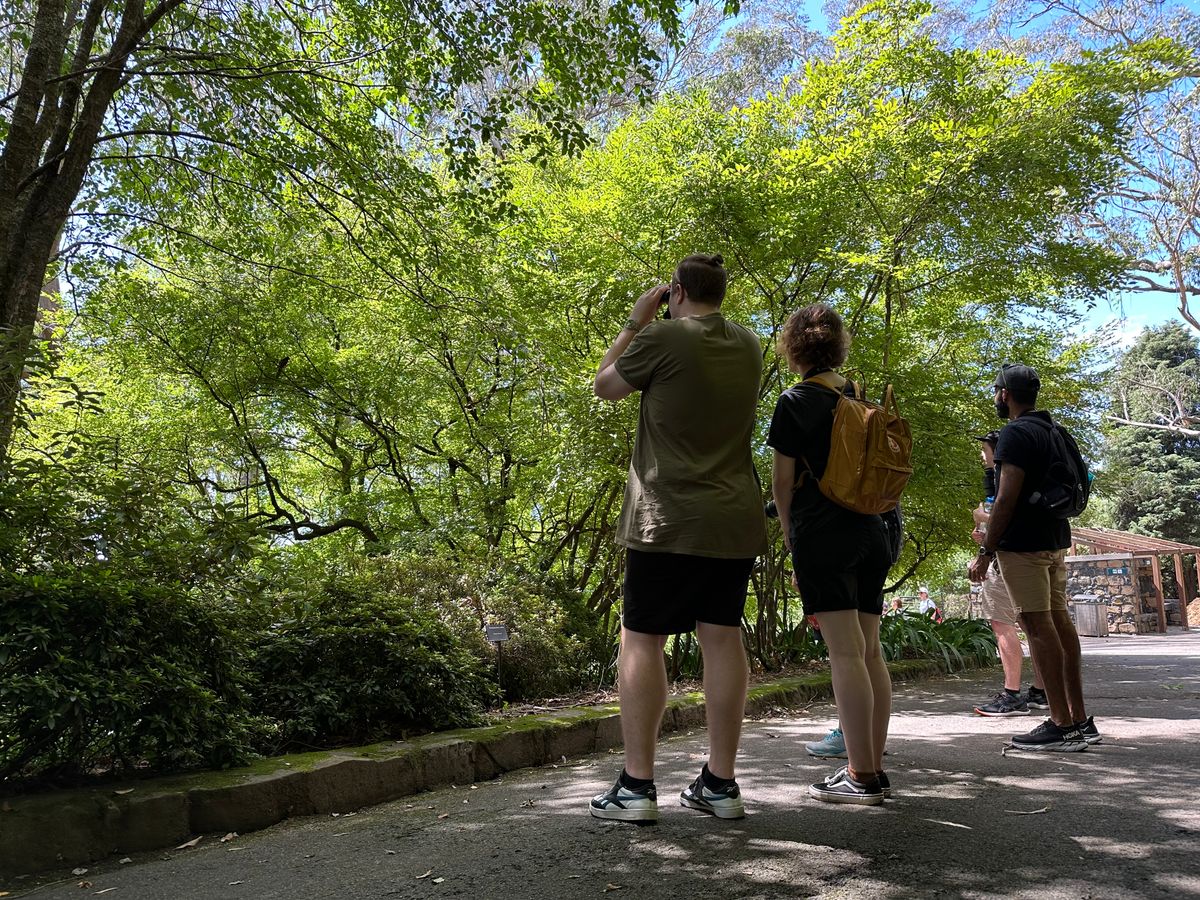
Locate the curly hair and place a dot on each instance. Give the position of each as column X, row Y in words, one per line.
column 816, row 336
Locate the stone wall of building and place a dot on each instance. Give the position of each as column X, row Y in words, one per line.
column 1111, row 578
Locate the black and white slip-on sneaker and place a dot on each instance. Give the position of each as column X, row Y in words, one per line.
column 724, row 804
column 1049, row 736
column 624, row 805
column 841, row 788
column 1090, row 732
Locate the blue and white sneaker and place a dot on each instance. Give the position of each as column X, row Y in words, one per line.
column 726, row 804
column 624, row 805
column 832, row 746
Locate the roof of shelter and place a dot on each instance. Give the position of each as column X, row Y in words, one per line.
column 1108, row 540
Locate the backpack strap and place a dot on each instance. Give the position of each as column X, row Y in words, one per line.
column 830, row 380
column 833, row 381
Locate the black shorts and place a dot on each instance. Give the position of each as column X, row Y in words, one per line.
column 668, row 593
column 842, row 575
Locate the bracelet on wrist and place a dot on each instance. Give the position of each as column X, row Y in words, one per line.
column 986, row 553
column 632, row 325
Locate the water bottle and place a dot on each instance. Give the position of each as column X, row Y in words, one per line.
column 988, row 503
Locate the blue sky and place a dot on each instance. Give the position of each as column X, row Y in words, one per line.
column 1131, row 312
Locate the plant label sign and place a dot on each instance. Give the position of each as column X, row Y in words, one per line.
column 1120, row 570
column 495, row 633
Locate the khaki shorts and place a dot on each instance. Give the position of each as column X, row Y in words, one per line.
column 1036, row 582
column 995, row 604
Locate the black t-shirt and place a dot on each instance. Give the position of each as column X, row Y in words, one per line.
column 801, row 428
column 1029, row 447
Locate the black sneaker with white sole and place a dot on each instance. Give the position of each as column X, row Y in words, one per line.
column 1004, row 704
column 885, row 785
column 1090, row 732
column 1035, row 698
column 841, row 788
column 1049, row 736
column 625, row 805
column 724, row 804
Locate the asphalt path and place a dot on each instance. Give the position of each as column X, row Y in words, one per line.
column 1120, row 820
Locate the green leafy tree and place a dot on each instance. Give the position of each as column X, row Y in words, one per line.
column 1153, row 448
column 117, row 116
column 920, row 188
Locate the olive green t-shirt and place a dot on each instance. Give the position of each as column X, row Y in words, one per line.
column 692, row 487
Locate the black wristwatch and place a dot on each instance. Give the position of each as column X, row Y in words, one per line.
column 984, row 551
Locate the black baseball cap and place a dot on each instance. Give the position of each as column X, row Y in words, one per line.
column 1016, row 377
column 992, row 437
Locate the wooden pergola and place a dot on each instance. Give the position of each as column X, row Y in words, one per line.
column 1106, row 540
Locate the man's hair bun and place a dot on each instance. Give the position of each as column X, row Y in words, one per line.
column 718, row 260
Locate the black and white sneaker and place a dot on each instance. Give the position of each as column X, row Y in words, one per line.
column 1090, row 732
column 724, row 804
column 885, row 785
column 1035, row 698
column 1049, row 736
column 1004, row 704
column 625, row 805
column 841, row 788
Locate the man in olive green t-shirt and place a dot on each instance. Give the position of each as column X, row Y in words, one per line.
column 692, row 524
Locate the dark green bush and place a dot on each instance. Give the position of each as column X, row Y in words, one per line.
column 99, row 672
column 353, row 665
column 957, row 642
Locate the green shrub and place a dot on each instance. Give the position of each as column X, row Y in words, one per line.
column 957, row 642
column 99, row 672
column 352, row 665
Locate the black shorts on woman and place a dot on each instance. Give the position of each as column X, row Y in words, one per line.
column 841, row 558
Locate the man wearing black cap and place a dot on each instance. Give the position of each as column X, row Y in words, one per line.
column 999, row 610
column 1029, row 544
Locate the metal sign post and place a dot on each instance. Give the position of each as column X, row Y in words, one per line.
column 497, row 634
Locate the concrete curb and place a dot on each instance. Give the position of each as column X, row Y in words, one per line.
column 72, row 828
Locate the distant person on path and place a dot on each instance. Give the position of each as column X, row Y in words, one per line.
column 925, row 606
column 1029, row 545
column 840, row 558
column 997, row 607
column 692, row 524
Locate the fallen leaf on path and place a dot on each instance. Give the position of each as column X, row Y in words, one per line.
column 438, row 880
column 1028, row 812
column 125, row 791
column 474, row 787
column 390, row 852
column 80, row 871
column 528, row 803
column 86, row 884
column 104, row 891
column 236, row 882
column 341, row 834
column 124, row 862
column 611, row 887
column 426, row 875
column 444, row 816
column 234, row 849
column 229, row 837
column 192, row 843
column 951, row 824
column 787, row 765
